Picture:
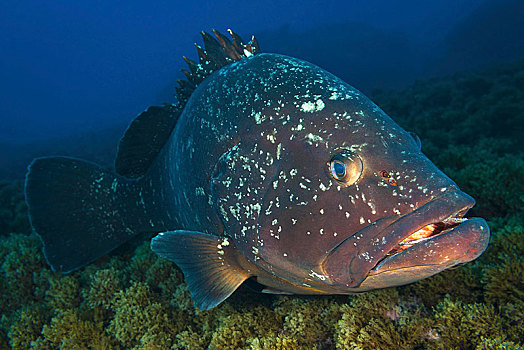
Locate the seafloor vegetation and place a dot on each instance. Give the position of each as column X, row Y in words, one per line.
column 471, row 125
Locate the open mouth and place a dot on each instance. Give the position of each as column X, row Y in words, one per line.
column 436, row 246
column 433, row 237
column 428, row 232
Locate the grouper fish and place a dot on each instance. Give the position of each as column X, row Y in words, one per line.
column 266, row 168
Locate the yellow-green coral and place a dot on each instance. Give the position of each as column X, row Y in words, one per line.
column 103, row 286
column 497, row 344
column 462, row 283
column 63, row 292
column 506, row 241
column 27, row 326
column 20, row 259
column 309, row 320
column 141, row 319
column 190, row 340
column 278, row 342
column 380, row 320
column 504, row 281
column 461, row 326
column 68, row 330
column 235, row 329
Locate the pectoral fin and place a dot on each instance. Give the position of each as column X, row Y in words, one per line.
column 210, row 264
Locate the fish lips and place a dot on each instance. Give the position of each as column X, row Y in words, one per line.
column 364, row 261
column 455, row 246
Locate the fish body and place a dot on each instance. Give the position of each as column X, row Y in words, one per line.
column 269, row 168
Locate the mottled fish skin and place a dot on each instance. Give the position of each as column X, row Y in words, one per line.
column 249, row 160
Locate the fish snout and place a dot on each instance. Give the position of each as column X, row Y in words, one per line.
column 426, row 241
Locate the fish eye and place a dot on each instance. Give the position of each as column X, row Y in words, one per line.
column 345, row 167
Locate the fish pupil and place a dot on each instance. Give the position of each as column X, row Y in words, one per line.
column 339, row 170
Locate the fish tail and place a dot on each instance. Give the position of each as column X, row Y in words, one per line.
column 82, row 211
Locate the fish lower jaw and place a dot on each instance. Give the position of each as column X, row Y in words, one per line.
column 447, row 243
column 451, row 247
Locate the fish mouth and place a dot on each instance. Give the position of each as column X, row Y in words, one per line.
column 430, row 249
column 430, row 231
column 428, row 240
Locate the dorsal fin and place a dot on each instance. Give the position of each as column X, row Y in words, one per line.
column 217, row 53
column 144, row 139
column 149, row 132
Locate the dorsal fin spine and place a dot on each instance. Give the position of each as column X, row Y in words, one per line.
column 133, row 158
column 217, row 53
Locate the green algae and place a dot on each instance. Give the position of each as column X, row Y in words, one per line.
column 131, row 299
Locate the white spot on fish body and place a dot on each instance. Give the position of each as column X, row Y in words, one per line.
column 114, row 184
column 334, row 95
column 199, row 191
column 311, row 138
column 372, row 206
column 298, row 127
column 317, row 276
column 366, row 256
column 279, row 148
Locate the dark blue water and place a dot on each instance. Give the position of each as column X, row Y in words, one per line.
column 67, row 67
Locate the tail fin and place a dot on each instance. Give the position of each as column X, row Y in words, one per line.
column 81, row 211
